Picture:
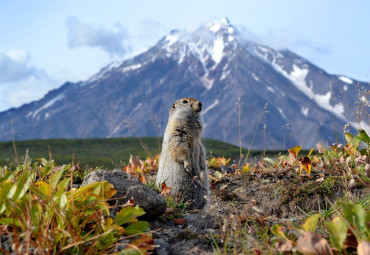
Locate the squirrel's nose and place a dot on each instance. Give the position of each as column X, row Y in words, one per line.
column 198, row 107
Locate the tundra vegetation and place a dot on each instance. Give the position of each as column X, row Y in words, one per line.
column 43, row 209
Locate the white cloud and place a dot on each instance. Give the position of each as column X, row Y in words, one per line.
column 96, row 35
column 19, row 81
column 15, row 94
column 14, row 66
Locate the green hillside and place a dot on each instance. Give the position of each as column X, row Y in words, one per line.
column 108, row 153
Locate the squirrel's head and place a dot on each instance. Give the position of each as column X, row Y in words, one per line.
column 186, row 106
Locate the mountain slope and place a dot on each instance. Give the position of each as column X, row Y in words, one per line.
column 283, row 99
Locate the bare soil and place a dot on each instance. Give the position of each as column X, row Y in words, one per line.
column 251, row 203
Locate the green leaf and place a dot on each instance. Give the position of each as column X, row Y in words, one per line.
column 269, row 161
column 127, row 214
column 10, row 222
column 218, row 174
column 48, row 166
column 137, row 228
column 296, row 226
column 85, row 188
column 311, row 223
column 63, row 184
column 7, row 190
column 130, row 251
column 348, row 137
column 276, row 230
column 56, row 177
column 356, row 215
column 12, row 191
column 363, row 137
column 106, row 241
column 63, row 201
column 337, row 231
column 22, row 189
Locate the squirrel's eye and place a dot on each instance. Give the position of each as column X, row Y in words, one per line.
column 184, row 101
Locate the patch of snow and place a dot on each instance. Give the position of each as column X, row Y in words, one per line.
column 137, row 107
column 270, row 89
column 214, row 26
column 208, row 83
column 281, row 113
column 115, row 129
column 48, row 104
column 114, row 64
column 131, row 68
column 255, row 77
column 93, row 78
column 171, row 39
column 298, row 78
column 345, row 79
column 218, row 50
column 304, row 111
column 29, row 114
column 210, row 107
column 345, row 88
column 224, row 75
column 102, row 73
column 47, row 115
column 182, row 54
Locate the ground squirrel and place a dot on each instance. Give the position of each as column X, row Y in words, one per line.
column 182, row 164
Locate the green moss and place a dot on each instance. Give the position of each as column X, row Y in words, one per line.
column 302, row 191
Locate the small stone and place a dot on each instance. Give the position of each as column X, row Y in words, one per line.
column 352, row 184
column 367, row 169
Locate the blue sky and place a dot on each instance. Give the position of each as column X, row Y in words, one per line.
column 46, row 43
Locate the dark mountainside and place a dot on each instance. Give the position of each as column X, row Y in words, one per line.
column 215, row 65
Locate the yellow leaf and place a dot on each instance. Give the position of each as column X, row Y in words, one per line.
column 246, row 168
column 311, row 223
column 295, row 150
column 306, row 164
column 309, row 154
column 44, row 188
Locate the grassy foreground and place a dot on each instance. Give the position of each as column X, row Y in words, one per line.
column 43, row 209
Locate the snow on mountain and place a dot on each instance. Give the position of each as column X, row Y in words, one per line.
column 283, row 96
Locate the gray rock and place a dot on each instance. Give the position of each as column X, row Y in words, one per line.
column 128, row 186
column 200, row 221
column 163, row 247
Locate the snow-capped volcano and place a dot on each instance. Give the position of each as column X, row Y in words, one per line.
column 283, row 99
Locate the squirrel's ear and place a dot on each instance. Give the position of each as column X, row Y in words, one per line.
column 173, row 106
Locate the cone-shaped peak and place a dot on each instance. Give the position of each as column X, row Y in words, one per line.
column 222, row 25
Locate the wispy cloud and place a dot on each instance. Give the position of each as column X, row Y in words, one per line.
column 14, row 66
column 21, row 82
column 110, row 40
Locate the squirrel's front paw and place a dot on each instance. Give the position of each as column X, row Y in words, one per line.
column 187, row 166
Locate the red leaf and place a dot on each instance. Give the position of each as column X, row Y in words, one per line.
column 142, row 179
column 165, row 189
